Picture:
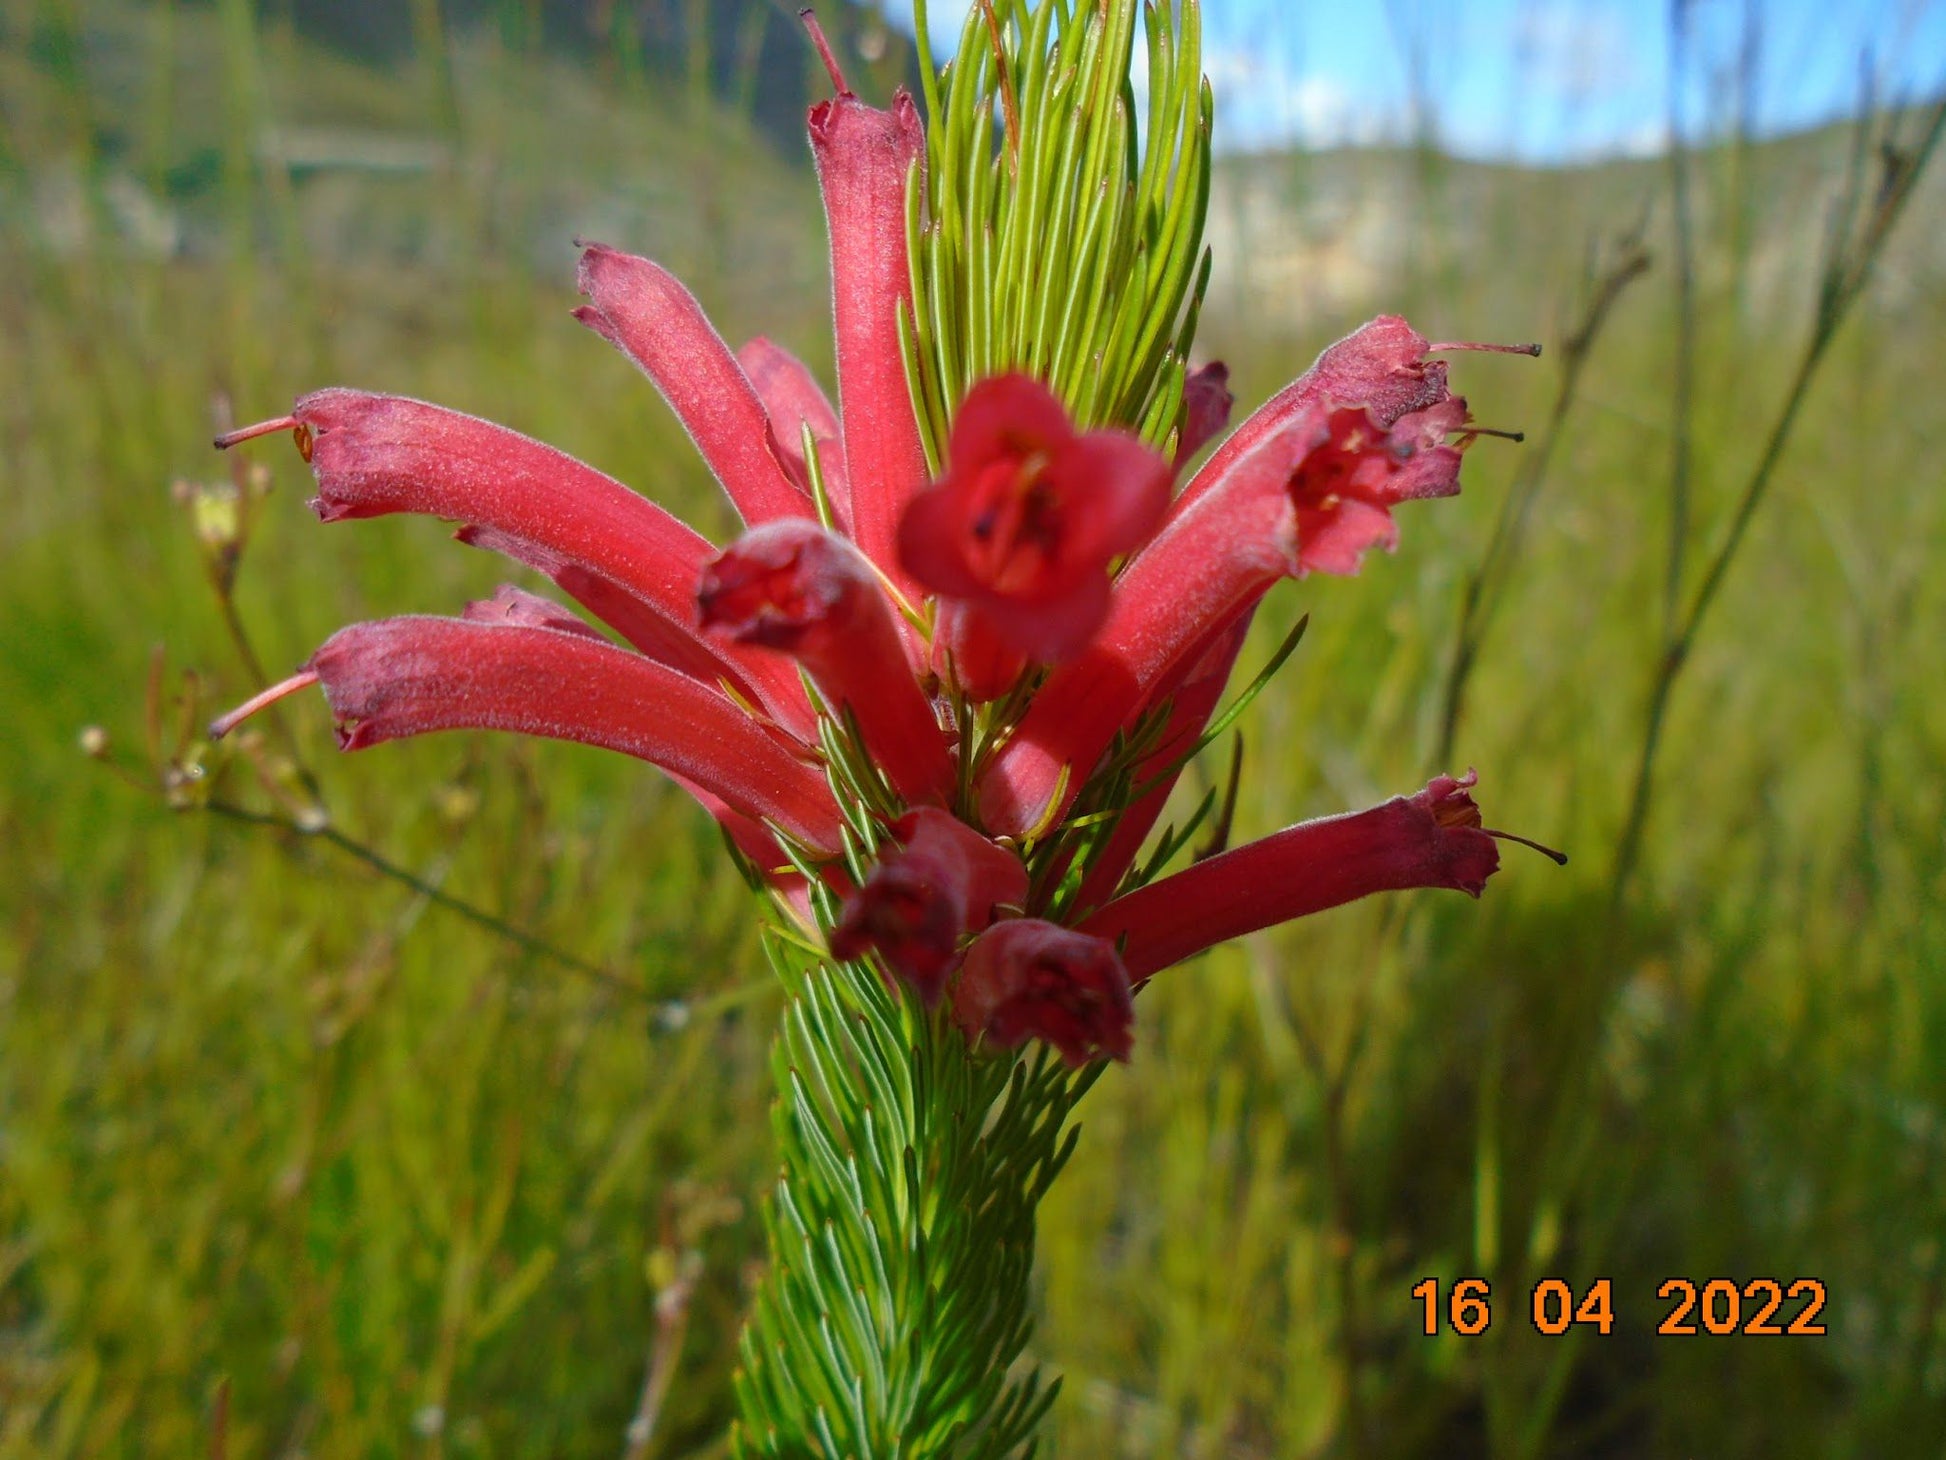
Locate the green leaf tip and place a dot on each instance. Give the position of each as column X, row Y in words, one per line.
column 1061, row 224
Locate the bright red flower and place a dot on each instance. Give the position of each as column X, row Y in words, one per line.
column 969, row 651
column 794, row 587
column 1027, row 979
column 1311, row 488
column 640, row 308
column 864, row 156
column 943, row 881
column 1029, row 515
column 747, row 729
column 407, row 676
column 1381, row 366
column 1019, row 541
column 1191, row 703
column 1432, row 839
column 794, row 400
column 623, row 558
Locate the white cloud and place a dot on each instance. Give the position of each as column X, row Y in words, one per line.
column 1577, row 50
column 1261, row 100
column 1324, row 111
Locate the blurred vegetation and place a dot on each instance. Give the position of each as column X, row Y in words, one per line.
column 292, row 1154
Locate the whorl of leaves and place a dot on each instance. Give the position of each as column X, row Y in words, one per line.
column 901, row 1231
column 1058, row 232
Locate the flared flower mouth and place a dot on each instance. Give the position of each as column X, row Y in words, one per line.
column 1022, row 528
column 970, row 633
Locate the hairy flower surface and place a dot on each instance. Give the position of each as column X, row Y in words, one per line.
column 1432, row 839
column 940, row 717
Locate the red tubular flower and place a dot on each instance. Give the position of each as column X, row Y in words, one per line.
column 407, row 676
column 1029, row 515
column 622, row 557
column 513, row 605
column 794, row 587
column 1432, row 839
column 1027, row 979
column 516, row 606
column 1381, row 366
column 1206, row 403
column 640, row 308
column 967, row 650
column 793, row 399
column 1191, row 704
column 943, row 882
column 1310, row 492
column 864, row 157
column 1017, row 542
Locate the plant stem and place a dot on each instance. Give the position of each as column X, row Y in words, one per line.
column 1486, row 585
column 895, row 1308
column 1853, row 252
column 473, row 913
column 1683, row 372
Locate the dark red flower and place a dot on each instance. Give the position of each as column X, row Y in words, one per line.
column 1432, row 839
column 1206, row 403
column 1029, row 515
column 1027, row 979
column 941, row 882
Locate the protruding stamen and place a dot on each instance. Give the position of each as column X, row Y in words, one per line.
column 1490, row 431
column 1532, row 347
column 224, row 724
column 251, row 433
column 810, row 19
column 1558, row 858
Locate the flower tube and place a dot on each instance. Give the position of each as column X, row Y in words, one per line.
column 1431, row 839
column 411, row 675
column 639, row 307
column 628, row 561
column 1313, row 494
column 942, row 881
column 794, row 587
column 864, row 156
column 1027, row 979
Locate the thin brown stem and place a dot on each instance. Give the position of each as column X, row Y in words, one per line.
column 474, row 914
column 1485, row 587
column 1853, row 252
column 1683, row 372
column 671, row 1322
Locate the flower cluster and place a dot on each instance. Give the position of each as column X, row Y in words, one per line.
column 1047, row 624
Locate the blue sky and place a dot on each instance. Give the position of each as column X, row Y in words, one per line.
column 1538, row 80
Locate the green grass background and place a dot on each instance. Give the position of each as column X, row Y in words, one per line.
column 271, row 1121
